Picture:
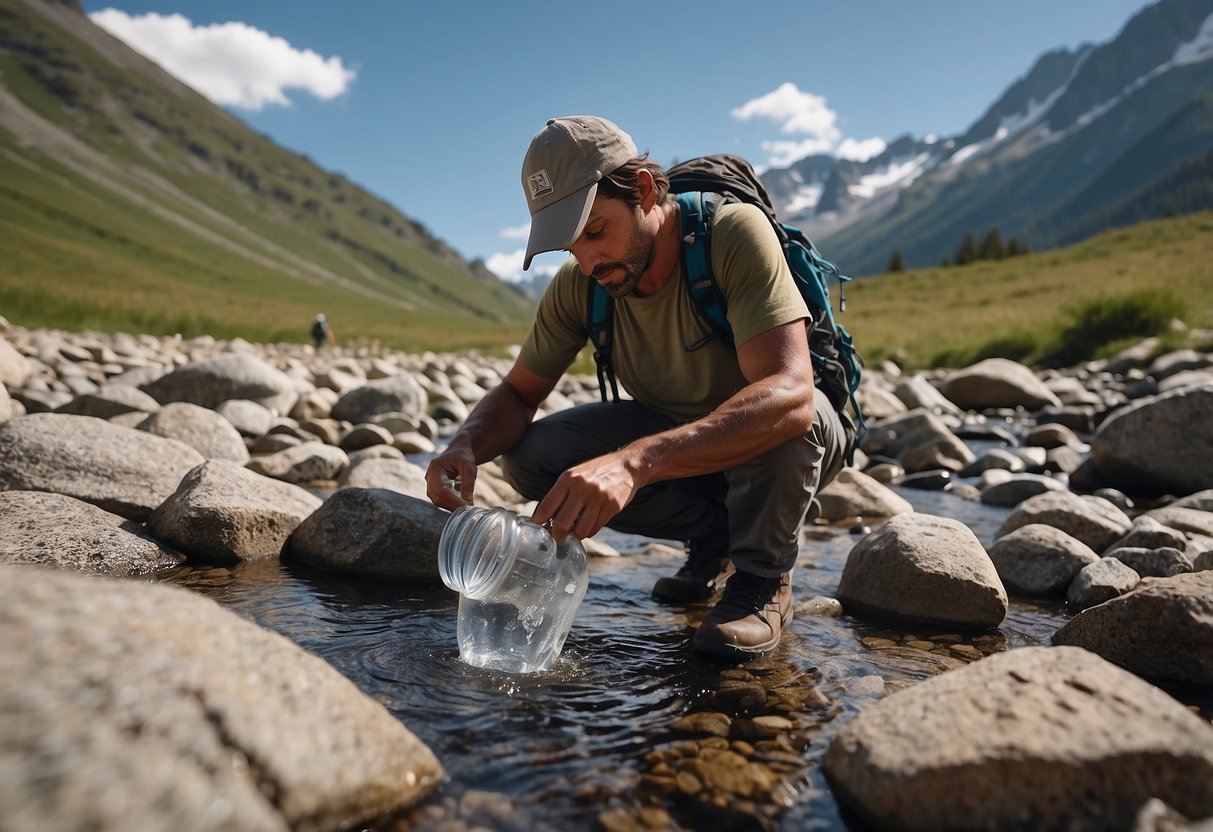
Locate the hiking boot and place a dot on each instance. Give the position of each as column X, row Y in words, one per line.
column 703, row 575
column 748, row 619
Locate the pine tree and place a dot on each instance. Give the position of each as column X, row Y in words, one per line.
column 897, row 263
column 967, row 252
column 1013, row 247
column 991, row 246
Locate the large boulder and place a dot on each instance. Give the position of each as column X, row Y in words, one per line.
column 1157, row 443
column 204, row 430
column 399, row 393
column 137, row 706
column 998, row 382
column 1032, row 739
column 1163, row 629
column 924, row 568
column 371, row 533
column 223, row 513
column 211, row 382
column 1039, row 560
column 1093, row 520
column 125, row 471
column 110, row 401
column 42, row 529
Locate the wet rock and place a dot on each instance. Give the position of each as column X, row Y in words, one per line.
column 1161, row 630
column 124, row 471
column 1152, row 563
column 819, row 607
column 302, row 463
column 1101, row 581
column 853, row 493
column 211, row 382
column 1035, row 738
column 1018, row 488
column 395, row 394
column 1093, row 520
column 371, row 533
column 998, row 382
column 921, row 567
column 136, row 706
column 204, row 430
column 933, row 480
column 1151, row 444
column 1039, row 560
column 42, row 529
column 223, row 514
column 704, row 723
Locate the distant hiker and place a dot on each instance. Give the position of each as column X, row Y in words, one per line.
column 721, row 446
column 322, row 333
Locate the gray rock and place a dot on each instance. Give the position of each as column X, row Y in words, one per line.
column 371, row 533
column 1153, row 443
column 380, row 472
column 1018, row 488
column 124, row 471
column 920, row 567
column 6, row 405
column 137, row 706
column 204, row 430
column 42, row 529
column 306, row 462
column 14, row 367
column 1101, row 581
column 1052, row 436
column 920, row 441
column 998, row 382
column 400, row 393
column 878, row 403
column 364, row 436
column 412, row 442
column 854, row 494
column 314, row 404
column 1063, row 460
column 1152, row 563
column 1176, row 362
column 250, row 419
column 211, row 382
column 1202, row 500
column 1190, row 520
column 223, row 513
column 1039, row 560
column 1148, row 533
column 1188, row 378
column 918, row 392
column 994, row 459
column 1032, row 739
column 1093, row 520
column 109, row 401
column 1161, row 630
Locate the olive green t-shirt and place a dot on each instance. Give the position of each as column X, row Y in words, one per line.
column 652, row 334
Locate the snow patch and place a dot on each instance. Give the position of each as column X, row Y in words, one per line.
column 805, row 198
column 899, row 173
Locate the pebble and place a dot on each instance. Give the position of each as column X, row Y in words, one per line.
column 703, row 722
column 874, row 643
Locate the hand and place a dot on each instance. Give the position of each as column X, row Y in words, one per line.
column 587, row 496
column 451, row 478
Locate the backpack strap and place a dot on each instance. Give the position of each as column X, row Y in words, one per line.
column 697, row 210
column 600, row 321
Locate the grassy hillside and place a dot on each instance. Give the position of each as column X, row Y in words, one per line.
column 1022, row 307
column 127, row 201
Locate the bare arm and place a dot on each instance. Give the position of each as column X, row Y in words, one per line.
column 494, row 426
column 774, row 407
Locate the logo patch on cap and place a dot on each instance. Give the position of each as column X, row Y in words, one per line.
column 539, row 183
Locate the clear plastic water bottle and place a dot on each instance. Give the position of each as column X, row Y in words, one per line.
column 518, row 590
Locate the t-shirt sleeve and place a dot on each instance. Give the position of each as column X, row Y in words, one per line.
column 760, row 292
column 559, row 330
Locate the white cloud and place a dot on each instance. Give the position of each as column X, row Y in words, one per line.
column 784, row 154
column 508, row 265
column 794, row 111
column 517, row 232
column 860, row 150
column 232, row 64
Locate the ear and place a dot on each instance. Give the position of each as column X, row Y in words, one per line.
column 647, row 189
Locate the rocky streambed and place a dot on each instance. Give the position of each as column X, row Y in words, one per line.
column 221, row 610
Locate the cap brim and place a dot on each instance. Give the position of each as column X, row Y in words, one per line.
column 559, row 224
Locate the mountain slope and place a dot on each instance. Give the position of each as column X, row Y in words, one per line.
column 1081, row 131
column 120, row 186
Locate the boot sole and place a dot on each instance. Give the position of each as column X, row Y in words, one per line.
column 728, row 650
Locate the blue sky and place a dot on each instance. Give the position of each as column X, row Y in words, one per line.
column 430, row 105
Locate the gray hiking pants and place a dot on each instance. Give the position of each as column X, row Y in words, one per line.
column 760, row 505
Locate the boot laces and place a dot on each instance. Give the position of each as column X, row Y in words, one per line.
column 746, row 593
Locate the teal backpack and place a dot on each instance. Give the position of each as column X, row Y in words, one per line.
column 700, row 186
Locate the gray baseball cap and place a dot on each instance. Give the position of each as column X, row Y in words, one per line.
column 560, row 177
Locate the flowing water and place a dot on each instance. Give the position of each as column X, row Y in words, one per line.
column 597, row 742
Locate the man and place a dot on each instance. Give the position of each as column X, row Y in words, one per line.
column 719, row 447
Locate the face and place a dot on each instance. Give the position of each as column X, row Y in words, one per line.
column 615, row 248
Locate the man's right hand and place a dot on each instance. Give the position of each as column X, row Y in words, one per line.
column 451, row 478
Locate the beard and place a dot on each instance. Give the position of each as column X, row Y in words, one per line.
column 637, row 257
